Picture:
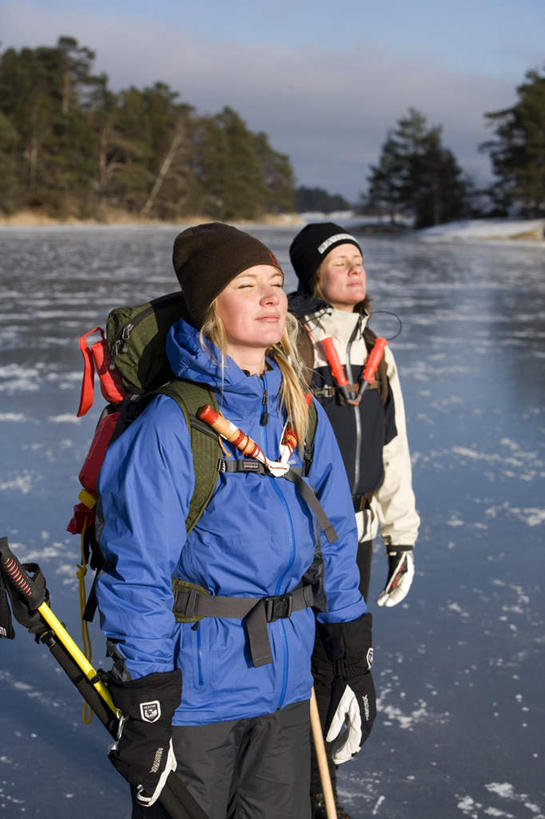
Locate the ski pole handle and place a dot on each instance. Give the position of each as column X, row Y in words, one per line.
column 374, row 359
column 19, row 579
column 334, row 362
column 229, row 431
column 34, row 599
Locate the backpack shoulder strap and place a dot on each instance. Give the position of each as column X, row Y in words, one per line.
column 308, row 449
column 381, row 376
column 205, row 446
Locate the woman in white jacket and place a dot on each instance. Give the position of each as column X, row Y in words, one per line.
column 332, row 305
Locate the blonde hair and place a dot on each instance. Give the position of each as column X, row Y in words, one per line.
column 284, row 352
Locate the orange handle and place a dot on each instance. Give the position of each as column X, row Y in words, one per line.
column 334, row 362
column 228, row 431
column 374, row 359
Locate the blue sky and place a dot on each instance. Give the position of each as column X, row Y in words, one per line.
column 325, row 80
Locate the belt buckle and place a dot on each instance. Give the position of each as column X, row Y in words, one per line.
column 191, row 603
column 279, row 608
column 268, row 604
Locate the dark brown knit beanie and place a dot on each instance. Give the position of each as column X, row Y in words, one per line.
column 207, row 257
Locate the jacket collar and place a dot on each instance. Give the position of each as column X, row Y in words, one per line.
column 237, row 390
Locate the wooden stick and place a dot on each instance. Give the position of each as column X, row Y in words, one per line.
column 321, row 756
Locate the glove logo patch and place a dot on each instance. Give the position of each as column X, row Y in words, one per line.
column 369, row 658
column 150, row 711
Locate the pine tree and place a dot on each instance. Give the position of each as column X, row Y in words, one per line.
column 318, row 199
column 232, row 180
column 278, row 176
column 518, row 150
column 416, row 175
column 12, row 198
column 46, row 94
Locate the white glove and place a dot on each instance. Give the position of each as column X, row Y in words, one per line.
column 145, row 799
column 355, row 713
column 400, row 576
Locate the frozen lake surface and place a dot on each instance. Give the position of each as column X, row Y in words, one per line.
column 459, row 665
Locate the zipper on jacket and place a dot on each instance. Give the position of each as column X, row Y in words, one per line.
column 199, row 657
column 277, row 591
column 357, row 416
column 265, row 402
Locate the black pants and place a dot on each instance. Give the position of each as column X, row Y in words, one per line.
column 323, row 673
column 245, row 769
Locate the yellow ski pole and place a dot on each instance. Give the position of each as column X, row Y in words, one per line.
column 174, row 798
column 23, row 584
column 76, row 654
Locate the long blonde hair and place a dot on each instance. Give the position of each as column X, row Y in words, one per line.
column 284, row 352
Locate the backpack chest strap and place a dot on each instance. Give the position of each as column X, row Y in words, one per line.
column 193, row 602
column 294, row 476
column 242, row 465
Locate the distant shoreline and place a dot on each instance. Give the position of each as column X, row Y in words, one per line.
column 473, row 230
column 29, row 218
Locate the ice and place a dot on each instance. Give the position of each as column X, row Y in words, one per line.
column 459, row 666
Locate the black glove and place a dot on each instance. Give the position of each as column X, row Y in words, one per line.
column 143, row 751
column 353, row 700
column 400, row 575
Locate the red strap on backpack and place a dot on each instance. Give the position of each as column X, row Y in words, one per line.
column 98, row 356
column 88, row 476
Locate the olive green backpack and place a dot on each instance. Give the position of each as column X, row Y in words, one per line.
column 133, row 368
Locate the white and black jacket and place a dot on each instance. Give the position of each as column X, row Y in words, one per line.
column 372, row 436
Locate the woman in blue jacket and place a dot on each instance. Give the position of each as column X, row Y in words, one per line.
column 224, row 699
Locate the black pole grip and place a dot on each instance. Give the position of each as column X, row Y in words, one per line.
column 19, row 579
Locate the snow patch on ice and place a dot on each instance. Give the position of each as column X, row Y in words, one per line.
column 64, row 418
column 379, row 802
column 46, row 553
column 484, row 229
column 407, row 721
column 531, row 516
column 506, row 791
column 22, row 483
column 16, row 377
column 16, row 417
column 30, row 691
column 458, row 609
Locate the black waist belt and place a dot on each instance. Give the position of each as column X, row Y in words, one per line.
column 192, row 603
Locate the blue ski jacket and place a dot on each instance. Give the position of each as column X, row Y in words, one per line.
column 256, row 538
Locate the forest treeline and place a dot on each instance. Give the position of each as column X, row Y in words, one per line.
column 70, row 146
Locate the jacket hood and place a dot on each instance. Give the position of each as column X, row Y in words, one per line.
column 301, row 304
column 235, row 389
